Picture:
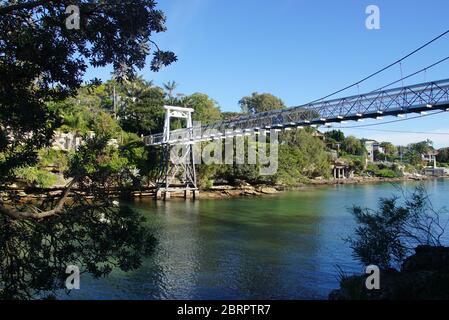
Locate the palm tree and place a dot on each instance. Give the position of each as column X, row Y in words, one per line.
column 170, row 87
column 138, row 87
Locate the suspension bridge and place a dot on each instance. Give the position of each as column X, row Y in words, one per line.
column 420, row 98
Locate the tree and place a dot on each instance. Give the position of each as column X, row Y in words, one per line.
column 231, row 115
column 301, row 155
column 42, row 61
column 416, row 150
column 335, row 135
column 384, row 237
column 414, row 158
column 41, row 65
column 443, row 155
column 260, row 103
column 206, row 109
column 421, row 147
column 145, row 114
column 353, row 146
column 122, row 94
column 170, row 87
column 379, row 156
column 134, row 89
column 94, row 234
column 389, row 148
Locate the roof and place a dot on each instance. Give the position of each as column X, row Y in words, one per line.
column 431, row 153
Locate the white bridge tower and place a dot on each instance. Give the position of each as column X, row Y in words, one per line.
column 177, row 166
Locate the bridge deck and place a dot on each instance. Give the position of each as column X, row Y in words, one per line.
column 393, row 102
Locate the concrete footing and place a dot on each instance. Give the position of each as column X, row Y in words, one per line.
column 166, row 195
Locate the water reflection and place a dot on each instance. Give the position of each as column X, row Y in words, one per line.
column 242, row 248
column 284, row 246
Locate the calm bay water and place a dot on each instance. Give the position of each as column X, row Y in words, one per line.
column 284, row 246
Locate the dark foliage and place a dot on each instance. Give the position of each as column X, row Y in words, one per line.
column 386, row 236
column 42, row 60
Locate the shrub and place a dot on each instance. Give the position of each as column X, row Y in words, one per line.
column 386, row 173
column 38, row 177
column 209, row 184
column 51, row 157
column 386, row 236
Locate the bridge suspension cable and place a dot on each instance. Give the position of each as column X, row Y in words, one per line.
column 383, row 69
column 413, row 74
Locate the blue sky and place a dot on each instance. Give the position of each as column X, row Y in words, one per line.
column 301, row 50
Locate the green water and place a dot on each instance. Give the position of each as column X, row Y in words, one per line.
column 284, row 246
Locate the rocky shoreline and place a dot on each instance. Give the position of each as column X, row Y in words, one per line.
column 242, row 189
column 245, row 189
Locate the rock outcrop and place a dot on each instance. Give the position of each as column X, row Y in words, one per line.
column 423, row 275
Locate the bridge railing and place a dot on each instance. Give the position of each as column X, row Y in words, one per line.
column 386, row 102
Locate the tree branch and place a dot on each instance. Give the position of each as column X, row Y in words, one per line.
column 19, row 215
column 27, row 5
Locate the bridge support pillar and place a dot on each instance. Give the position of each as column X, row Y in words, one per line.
column 177, row 167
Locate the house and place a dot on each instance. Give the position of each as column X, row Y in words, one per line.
column 66, row 141
column 319, row 135
column 430, row 157
column 371, row 147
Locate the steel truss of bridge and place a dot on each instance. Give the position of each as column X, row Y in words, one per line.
column 417, row 98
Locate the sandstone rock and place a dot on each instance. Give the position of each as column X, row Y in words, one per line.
column 248, row 188
column 223, row 187
column 267, row 190
column 250, row 192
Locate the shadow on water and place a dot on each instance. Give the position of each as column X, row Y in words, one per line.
column 34, row 255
